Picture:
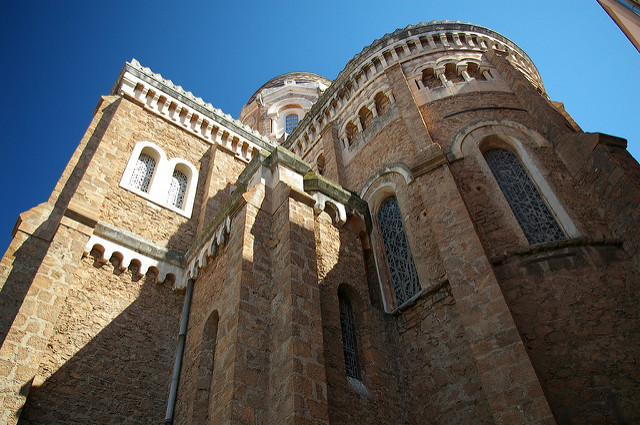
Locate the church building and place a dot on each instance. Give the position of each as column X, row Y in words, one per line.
column 426, row 239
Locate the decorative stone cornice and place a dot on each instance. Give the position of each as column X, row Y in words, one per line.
column 412, row 41
column 173, row 103
column 110, row 239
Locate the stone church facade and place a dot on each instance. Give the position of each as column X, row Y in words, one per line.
column 425, row 239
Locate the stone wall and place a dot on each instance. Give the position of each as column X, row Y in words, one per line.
column 439, row 375
column 107, row 360
column 377, row 396
column 132, row 124
column 576, row 309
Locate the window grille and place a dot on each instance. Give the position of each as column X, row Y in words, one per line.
column 142, row 173
column 290, row 122
column 534, row 216
column 177, row 189
column 404, row 276
column 348, row 337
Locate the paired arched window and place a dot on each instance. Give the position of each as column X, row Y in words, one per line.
column 402, row 269
column 349, row 344
column 290, row 122
column 166, row 182
column 538, row 223
column 142, row 172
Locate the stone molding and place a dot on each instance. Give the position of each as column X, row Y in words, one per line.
column 368, row 65
column 111, row 239
column 163, row 98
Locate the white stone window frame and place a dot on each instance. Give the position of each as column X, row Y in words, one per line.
column 484, row 135
column 279, row 110
column 161, row 179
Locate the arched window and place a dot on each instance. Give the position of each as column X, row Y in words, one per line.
column 177, row 189
column 290, row 122
column 382, row 103
column 366, row 116
column 321, row 163
column 429, row 79
column 404, row 276
column 532, row 212
column 351, row 132
column 142, row 172
column 349, row 346
column 205, row 370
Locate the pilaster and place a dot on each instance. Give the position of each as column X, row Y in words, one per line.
column 513, row 391
column 418, row 134
column 332, row 147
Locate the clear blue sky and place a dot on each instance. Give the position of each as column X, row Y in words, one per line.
column 60, row 56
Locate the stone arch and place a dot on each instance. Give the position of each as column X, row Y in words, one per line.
column 476, row 130
column 351, row 131
column 479, row 137
column 399, row 168
column 451, row 73
column 474, row 71
column 365, row 116
column 321, row 163
column 389, row 182
column 429, row 78
column 382, row 102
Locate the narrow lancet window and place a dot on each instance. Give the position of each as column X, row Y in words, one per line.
column 532, row 212
column 348, row 337
column 177, row 189
column 142, row 173
column 404, row 276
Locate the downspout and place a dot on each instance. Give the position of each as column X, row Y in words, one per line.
column 173, row 391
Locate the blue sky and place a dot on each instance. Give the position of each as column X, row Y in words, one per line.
column 60, row 56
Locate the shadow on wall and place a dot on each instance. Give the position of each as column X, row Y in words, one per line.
column 33, row 250
column 124, row 329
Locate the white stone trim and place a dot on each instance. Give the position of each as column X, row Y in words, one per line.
column 173, row 109
column 323, row 200
column 128, row 255
column 401, row 169
column 161, row 179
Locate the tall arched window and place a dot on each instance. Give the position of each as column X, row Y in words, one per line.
column 205, row 370
column 404, row 276
column 349, row 346
column 142, row 172
column 177, row 189
column 533, row 214
column 290, row 122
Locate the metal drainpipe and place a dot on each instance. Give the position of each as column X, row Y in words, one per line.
column 173, row 391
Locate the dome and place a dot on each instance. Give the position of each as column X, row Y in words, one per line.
column 298, row 77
